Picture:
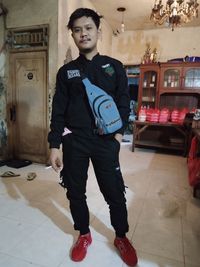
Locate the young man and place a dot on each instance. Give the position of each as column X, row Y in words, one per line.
column 73, row 125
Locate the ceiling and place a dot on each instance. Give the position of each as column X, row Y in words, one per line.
column 136, row 16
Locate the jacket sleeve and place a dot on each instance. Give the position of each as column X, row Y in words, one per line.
column 59, row 105
column 122, row 97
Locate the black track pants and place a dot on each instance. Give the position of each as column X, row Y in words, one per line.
column 104, row 154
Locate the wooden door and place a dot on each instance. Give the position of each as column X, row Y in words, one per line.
column 28, row 106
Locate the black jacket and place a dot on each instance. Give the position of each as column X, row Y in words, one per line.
column 70, row 104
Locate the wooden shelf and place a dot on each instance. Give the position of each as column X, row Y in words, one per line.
column 182, row 91
column 156, row 144
column 168, row 135
column 149, row 87
column 132, row 75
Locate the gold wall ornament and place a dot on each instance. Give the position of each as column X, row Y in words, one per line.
column 175, row 12
column 149, row 57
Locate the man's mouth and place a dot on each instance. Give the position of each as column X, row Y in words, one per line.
column 84, row 41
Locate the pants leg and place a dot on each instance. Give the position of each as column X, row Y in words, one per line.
column 74, row 178
column 105, row 159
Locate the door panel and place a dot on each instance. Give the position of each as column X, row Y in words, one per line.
column 29, row 106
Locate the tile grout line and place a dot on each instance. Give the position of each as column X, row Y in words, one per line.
column 182, row 237
column 142, row 206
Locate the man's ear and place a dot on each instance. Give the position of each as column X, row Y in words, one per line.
column 99, row 33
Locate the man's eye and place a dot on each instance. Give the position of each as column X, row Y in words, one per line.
column 76, row 30
column 89, row 28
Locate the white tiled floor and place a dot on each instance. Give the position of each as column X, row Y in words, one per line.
column 36, row 227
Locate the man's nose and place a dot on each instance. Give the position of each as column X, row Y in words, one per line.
column 83, row 32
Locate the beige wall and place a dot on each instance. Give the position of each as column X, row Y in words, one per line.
column 129, row 47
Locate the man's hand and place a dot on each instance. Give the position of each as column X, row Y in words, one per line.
column 118, row 137
column 56, row 159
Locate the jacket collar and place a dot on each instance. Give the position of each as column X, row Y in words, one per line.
column 83, row 59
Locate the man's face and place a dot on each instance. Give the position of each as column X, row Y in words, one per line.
column 85, row 34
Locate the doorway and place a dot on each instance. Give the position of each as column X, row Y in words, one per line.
column 27, row 105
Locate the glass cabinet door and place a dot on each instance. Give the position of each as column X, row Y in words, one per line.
column 149, row 89
column 192, row 78
column 171, row 78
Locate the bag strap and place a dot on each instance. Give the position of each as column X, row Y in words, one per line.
column 87, row 81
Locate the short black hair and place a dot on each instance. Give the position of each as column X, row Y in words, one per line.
column 84, row 12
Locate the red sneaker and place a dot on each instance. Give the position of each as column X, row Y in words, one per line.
column 79, row 249
column 126, row 250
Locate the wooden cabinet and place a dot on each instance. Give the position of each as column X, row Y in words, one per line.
column 183, row 76
column 148, row 86
column 167, row 85
column 179, row 85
